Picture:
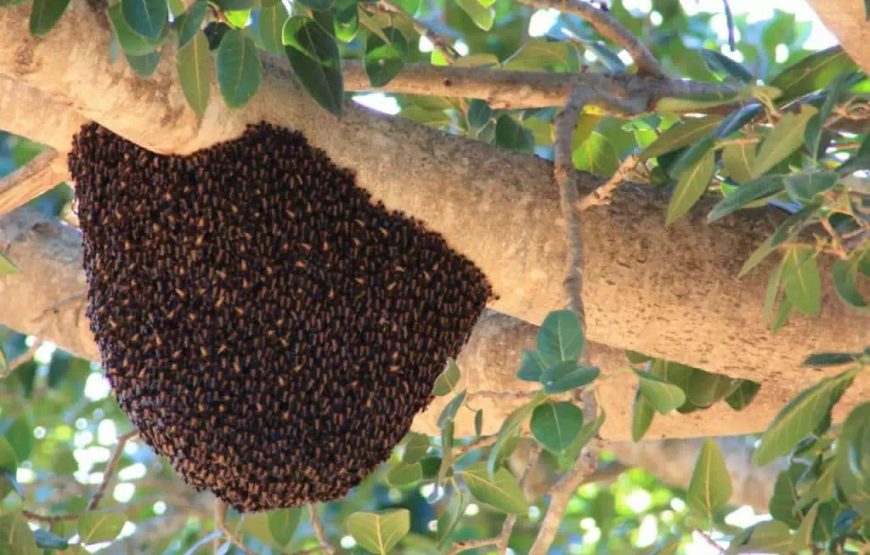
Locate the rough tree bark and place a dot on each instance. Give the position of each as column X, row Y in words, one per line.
column 847, row 19
column 668, row 292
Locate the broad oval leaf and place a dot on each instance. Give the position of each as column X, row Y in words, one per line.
column 319, row 5
column 451, row 408
column 642, row 415
column 96, row 527
column 235, row 5
column 512, row 135
column 405, row 474
column 45, row 14
column 812, row 73
column 710, row 486
column 415, row 447
column 770, row 536
column 282, row 524
column 556, row 425
column 483, row 16
column 852, row 459
column 756, row 189
column 720, row 63
column 193, row 62
column 741, row 397
column 799, row 418
column 682, row 134
column 509, row 430
column 49, row 540
column 146, row 17
column 379, row 532
column 846, row 279
column 238, row 68
column 16, row 538
column 447, row 381
column 566, row 376
column 596, row 155
column 271, row 27
column 314, row 57
column 737, row 160
column 662, row 396
column 132, row 43
column 804, row 187
column 499, row 491
column 531, row 366
column 690, row 187
column 145, row 65
column 452, row 515
column 560, row 338
column 188, row 24
column 705, row 388
column 786, row 136
column 801, row 280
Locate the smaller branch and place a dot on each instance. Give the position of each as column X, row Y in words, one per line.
column 479, row 443
column 318, row 529
column 22, row 358
column 710, row 541
column 30, row 515
column 609, row 28
column 836, row 243
column 440, row 43
column 110, row 469
column 221, row 523
column 41, row 174
column 601, row 195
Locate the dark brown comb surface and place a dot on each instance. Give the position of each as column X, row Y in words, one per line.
column 265, row 326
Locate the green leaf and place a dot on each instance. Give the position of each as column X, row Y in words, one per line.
column 812, row 73
column 384, row 60
column 662, row 396
column 451, row 408
column 96, row 527
column 829, row 359
column 145, row 65
column 695, row 103
column 859, row 161
column 737, row 160
column 478, row 423
column 710, row 486
column 846, row 279
column 801, row 280
column 8, row 467
column 318, row 5
column 271, row 28
column 765, row 537
column 790, row 227
column 447, row 381
column 238, row 18
column 690, row 187
column 193, row 62
column 314, row 57
column 852, row 459
column 744, row 195
column 737, row 119
column 451, row 517
column 49, row 540
column 786, row 136
column 510, row 428
column 132, row 43
column 641, row 416
column 404, row 474
column 6, row 266
column 16, row 537
column 556, row 425
column 804, row 535
column 9, row 479
column 566, row 376
column 282, row 524
column 705, row 388
column 719, row 63
column 743, row 395
column 45, row 14
column 379, row 532
column 238, row 68
column 596, row 155
column 560, row 338
column 512, row 135
column 531, row 366
column 446, row 453
column 20, row 437
column 782, row 505
column 146, row 17
column 482, row 16
column 607, row 57
column 415, row 447
column 499, row 491
column 805, row 186
column 799, row 418
column 188, row 24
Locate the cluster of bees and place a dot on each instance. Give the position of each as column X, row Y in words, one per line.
column 266, row 326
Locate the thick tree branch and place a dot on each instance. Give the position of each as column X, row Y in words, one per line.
column 607, row 27
column 847, row 20
column 28, row 182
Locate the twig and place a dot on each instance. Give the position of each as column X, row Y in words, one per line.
column 318, row 529
column 563, row 171
column 28, row 182
column 709, row 540
column 609, row 28
column 439, row 43
column 503, row 538
column 836, row 244
column 110, row 470
column 601, row 195
column 22, row 358
column 221, row 523
column 479, row 443
column 48, row 519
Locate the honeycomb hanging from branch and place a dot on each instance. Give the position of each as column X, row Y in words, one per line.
column 266, row 326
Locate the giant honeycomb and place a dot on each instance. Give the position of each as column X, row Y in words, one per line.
column 267, row 327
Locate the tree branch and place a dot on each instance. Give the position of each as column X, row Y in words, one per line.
column 31, row 180
column 110, row 469
column 609, row 28
column 601, row 194
column 439, row 43
column 317, row 526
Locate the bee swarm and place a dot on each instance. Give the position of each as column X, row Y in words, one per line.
column 265, row 325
